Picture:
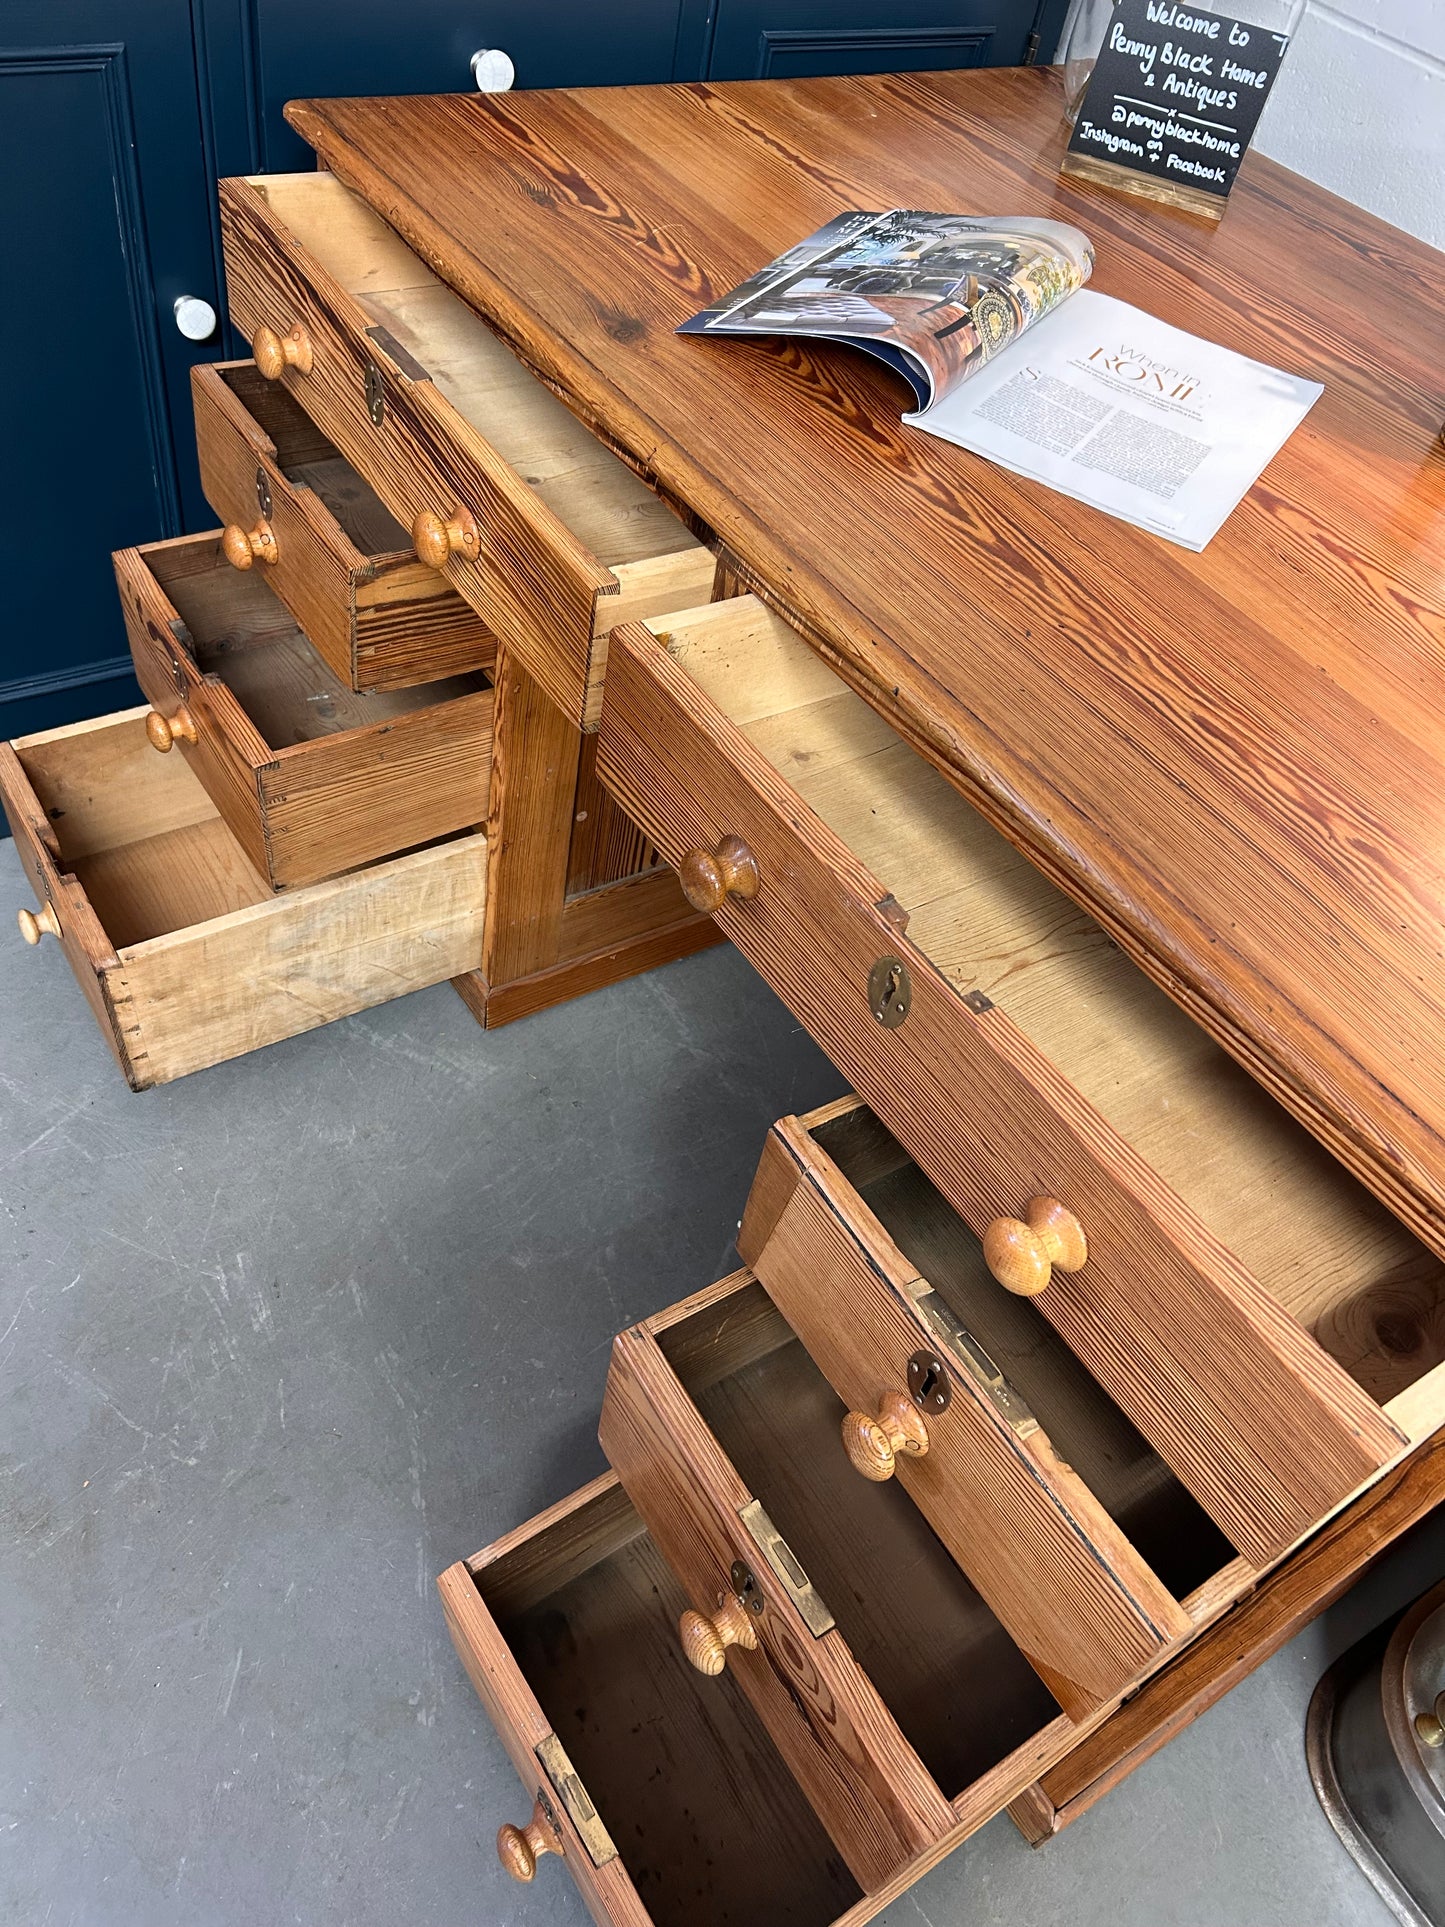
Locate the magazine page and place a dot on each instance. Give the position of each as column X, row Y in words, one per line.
column 1117, row 409
column 934, row 295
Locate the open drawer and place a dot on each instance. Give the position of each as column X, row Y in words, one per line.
column 1182, row 1231
column 658, row 1789
column 838, row 1608
column 545, row 532
column 571, row 1629
column 753, row 1607
column 311, row 778
column 298, row 513
column 185, row 955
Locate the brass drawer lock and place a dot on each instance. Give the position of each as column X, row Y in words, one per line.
column 784, row 1565
column 890, row 991
column 375, row 395
column 263, row 493
column 575, row 1798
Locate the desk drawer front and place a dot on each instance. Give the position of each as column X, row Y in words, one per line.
column 533, row 584
column 378, row 617
column 336, row 779
column 1078, row 1599
column 1265, row 1429
column 840, row 1742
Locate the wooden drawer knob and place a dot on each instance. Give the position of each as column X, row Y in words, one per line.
column 705, row 1641
column 436, row 541
column 873, row 1444
column 710, row 877
column 273, row 354
column 241, row 547
column 35, row 924
column 1022, row 1256
column 165, row 730
column 520, row 1848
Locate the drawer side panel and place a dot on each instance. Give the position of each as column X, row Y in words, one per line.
column 345, row 800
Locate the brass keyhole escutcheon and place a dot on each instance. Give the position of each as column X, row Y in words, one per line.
column 746, row 1587
column 928, row 1383
column 890, row 991
column 263, row 493
column 375, row 395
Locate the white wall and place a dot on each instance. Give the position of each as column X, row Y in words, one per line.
column 1360, row 107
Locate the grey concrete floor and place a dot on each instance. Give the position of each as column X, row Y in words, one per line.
column 279, row 1342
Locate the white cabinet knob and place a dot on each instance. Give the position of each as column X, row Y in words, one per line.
column 492, row 70
column 195, row 318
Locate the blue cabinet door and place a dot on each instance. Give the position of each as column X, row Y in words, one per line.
column 105, row 222
column 788, row 39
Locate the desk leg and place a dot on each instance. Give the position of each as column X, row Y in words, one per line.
column 571, row 905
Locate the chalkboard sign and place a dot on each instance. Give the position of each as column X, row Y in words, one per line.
column 1176, row 93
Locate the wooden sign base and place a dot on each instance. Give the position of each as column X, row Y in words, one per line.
column 1110, row 174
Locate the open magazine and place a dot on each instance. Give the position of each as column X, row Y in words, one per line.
column 933, row 295
column 1008, row 355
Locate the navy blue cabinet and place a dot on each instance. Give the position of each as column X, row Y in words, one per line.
column 116, row 117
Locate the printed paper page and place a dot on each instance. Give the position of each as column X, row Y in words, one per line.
column 1117, row 409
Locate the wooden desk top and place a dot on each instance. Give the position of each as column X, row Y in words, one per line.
column 1233, row 759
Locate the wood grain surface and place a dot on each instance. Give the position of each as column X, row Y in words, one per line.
column 569, row 1625
column 571, row 539
column 1231, row 759
column 1262, row 1426
column 573, row 1612
column 184, row 954
column 549, row 1546
column 311, row 777
column 377, row 616
column 629, row 955
column 1225, row 1654
column 1077, row 1598
column 840, row 1742
column 531, row 576
column 529, row 824
column 214, row 990
column 1319, row 1243
column 87, row 946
